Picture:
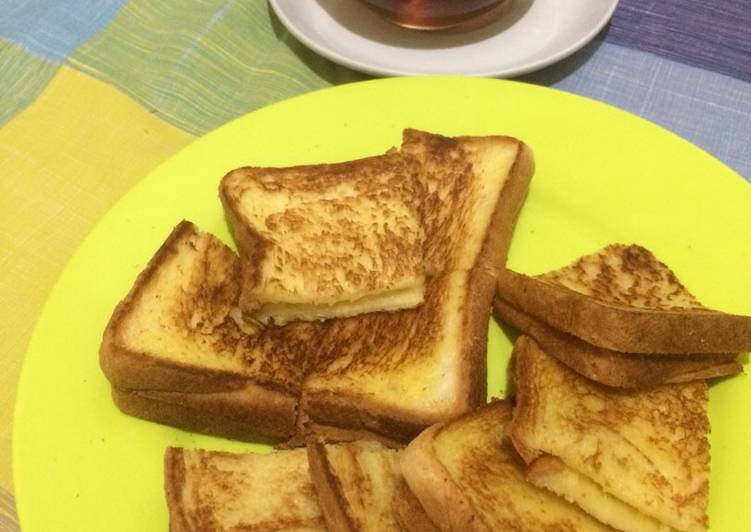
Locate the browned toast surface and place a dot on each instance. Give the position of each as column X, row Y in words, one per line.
column 622, row 298
column 388, row 373
column 356, row 484
column 323, row 236
column 174, row 353
column 646, row 448
column 626, row 370
column 178, row 317
column 396, row 373
column 224, row 492
column 471, row 190
column 409, row 513
column 467, row 476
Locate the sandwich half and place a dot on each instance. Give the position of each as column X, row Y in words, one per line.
column 614, row 368
column 174, row 353
column 225, row 492
column 468, row 477
column 327, row 240
column 623, row 299
column 637, row 460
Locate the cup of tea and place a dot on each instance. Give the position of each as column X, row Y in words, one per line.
column 438, row 14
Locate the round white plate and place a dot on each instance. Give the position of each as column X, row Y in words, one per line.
column 532, row 35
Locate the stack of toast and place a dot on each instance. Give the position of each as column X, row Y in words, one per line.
column 353, row 322
column 204, row 341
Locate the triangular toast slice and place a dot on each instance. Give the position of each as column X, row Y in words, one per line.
column 174, row 353
column 467, row 476
column 622, row 298
column 326, row 240
column 626, row 370
column 628, row 457
column 356, row 484
column 225, row 492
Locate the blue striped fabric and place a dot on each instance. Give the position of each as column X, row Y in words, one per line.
column 51, row 29
column 711, row 110
column 709, row 34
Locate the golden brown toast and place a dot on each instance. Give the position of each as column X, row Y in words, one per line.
column 400, row 372
column 471, row 190
column 628, row 457
column 409, row 513
column 356, row 484
column 224, row 492
column 327, row 240
column 384, row 373
column 396, row 373
column 626, row 370
column 172, row 341
column 467, row 477
column 622, row 298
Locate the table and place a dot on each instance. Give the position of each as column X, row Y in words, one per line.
column 94, row 95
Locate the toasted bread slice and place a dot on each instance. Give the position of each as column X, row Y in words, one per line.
column 471, row 190
column 622, row 298
column 626, row 370
column 398, row 373
column 646, row 448
column 172, row 341
column 224, row 492
column 327, row 240
column 356, row 484
column 467, row 477
column 409, row 513
column 551, row 473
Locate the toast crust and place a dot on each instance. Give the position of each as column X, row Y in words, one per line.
column 329, row 490
column 409, row 515
column 253, row 413
column 619, row 327
column 174, row 480
column 613, row 368
column 436, row 491
column 494, row 252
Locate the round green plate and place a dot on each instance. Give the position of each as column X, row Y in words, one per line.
column 602, row 176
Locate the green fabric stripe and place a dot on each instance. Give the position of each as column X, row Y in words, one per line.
column 23, row 77
column 200, row 66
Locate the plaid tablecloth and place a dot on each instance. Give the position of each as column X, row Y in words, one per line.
column 94, row 94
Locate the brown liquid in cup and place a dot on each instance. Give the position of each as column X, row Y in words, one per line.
column 432, row 14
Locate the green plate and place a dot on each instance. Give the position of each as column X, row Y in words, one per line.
column 602, row 176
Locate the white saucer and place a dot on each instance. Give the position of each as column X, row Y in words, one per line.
column 534, row 34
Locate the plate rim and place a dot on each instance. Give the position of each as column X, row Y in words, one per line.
column 339, row 58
